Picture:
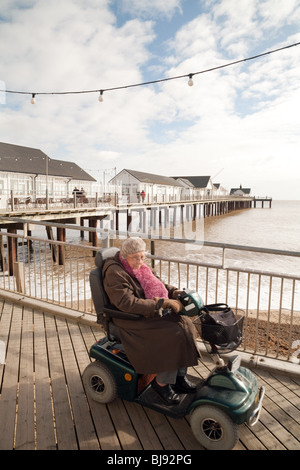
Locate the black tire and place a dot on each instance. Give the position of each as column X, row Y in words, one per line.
column 99, row 383
column 213, row 428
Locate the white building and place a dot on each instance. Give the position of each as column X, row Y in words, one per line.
column 240, row 191
column 219, row 190
column 157, row 188
column 28, row 172
column 203, row 187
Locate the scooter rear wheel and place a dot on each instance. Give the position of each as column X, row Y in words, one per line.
column 99, row 382
column 213, row 428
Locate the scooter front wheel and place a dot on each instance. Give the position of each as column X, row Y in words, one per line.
column 99, row 382
column 213, row 428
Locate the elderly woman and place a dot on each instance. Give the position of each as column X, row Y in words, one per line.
column 155, row 344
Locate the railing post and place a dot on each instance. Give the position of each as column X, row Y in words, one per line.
column 105, row 240
column 223, row 258
column 152, row 251
column 12, row 202
column 18, row 270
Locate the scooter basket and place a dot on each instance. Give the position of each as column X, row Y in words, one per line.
column 221, row 328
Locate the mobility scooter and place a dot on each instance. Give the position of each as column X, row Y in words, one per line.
column 227, row 398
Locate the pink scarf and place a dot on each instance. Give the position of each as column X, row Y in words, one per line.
column 151, row 285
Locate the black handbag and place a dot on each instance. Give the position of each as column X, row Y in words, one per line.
column 220, row 326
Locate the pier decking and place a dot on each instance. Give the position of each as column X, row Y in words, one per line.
column 43, row 403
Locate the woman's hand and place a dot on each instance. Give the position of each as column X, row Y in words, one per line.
column 176, row 293
column 175, row 305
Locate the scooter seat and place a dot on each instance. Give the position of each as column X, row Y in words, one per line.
column 114, row 332
column 105, row 311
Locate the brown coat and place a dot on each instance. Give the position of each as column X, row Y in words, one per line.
column 153, row 344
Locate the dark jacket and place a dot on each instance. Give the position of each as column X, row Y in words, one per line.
column 152, row 344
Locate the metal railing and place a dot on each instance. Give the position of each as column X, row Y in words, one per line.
column 58, row 273
column 12, row 201
column 270, row 300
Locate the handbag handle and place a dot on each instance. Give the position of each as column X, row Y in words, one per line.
column 216, row 307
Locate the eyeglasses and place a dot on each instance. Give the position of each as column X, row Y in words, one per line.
column 137, row 257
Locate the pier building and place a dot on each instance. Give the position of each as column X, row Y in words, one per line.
column 29, row 174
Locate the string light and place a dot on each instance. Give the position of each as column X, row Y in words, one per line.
column 190, row 82
column 190, row 75
column 100, row 96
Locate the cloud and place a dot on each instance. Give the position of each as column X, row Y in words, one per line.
column 74, row 47
column 242, row 118
column 275, row 12
column 152, row 9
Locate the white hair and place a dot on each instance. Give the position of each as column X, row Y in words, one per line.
column 132, row 245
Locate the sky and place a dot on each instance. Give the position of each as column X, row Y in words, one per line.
column 239, row 124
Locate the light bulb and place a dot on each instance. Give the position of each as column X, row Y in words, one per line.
column 101, row 96
column 33, row 99
column 190, row 82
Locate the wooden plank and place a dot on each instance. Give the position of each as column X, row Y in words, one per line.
column 239, row 446
column 282, row 409
column 85, row 430
column 275, row 427
column 285, row 385
column 124, row 429
column 164, row 431
column 89, row 335
column 65, row 432
column 25, row 436
column 10, row 383
column 143, row 427
column 184, row 433
column 104, row 427
column 45, row 427
column 249, row 439
column 103, row 424
column 286, row 422
column 266, row 437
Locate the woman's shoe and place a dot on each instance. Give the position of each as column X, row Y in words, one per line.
column 184, row 385
column 166, row 393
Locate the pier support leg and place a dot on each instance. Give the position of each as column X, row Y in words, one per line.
column 61, row 237
column 2, row 254
column 53, row 247
column 93, row 238
column 12, row 251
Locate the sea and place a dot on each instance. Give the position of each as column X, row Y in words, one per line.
column 275, row 228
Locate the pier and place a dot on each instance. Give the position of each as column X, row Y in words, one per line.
column 77, row 214
column 262, row 201
column 144, row 217
column 148, row 217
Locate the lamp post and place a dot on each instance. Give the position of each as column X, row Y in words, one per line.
column 47, row 192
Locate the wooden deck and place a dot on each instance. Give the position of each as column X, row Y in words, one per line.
column 43, row 403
